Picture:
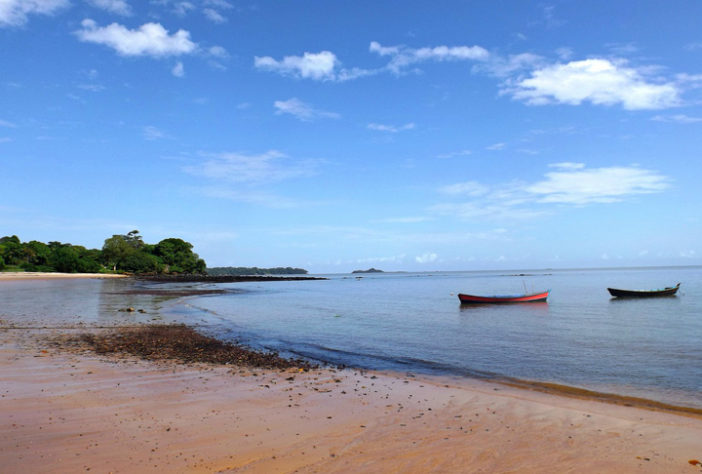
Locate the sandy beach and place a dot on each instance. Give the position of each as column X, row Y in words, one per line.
column 72, row 412
column 53, row 275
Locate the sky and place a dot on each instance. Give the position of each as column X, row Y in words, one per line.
column 334, row 136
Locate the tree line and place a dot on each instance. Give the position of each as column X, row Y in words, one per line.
column 240, row 271
column 120, row 253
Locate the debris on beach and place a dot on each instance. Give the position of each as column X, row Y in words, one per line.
column 177, row 342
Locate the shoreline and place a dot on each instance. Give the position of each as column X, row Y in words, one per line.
column 78, row 410
column 8, row 276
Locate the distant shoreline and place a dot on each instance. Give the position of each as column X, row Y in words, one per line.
column 222, row 278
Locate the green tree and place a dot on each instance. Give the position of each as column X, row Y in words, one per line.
column 11, row 250
column 115, row 251
column 178, row 256
column 65, row 259
column 37, row 253
column 142, row 262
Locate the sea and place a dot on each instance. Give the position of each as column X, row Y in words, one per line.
column 413, row 322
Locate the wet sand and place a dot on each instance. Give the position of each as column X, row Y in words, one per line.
column 72, row 412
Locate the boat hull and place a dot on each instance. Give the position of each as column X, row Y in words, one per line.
column 502, row 299
column 619, row 293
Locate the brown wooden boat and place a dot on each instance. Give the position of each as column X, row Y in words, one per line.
column 667, row 291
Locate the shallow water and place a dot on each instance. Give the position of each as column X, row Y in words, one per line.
column 649, row 348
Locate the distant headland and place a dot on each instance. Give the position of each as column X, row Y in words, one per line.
column 370, row 270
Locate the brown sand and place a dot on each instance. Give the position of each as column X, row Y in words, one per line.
column 51, row 275
column 62, row 412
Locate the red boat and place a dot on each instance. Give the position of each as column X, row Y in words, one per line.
column 532, row 298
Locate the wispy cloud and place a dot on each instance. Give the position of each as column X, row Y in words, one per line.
column 678, row 118
column 402, row 57
column 152, row 133
column 151, row 39
column 454, row 154
column 16, row 12
column 91, row 87
column 598, row 81
column 218, row 52
column 468, row 188
column 569, row 184
column 428, row 257
column 301, row 110
column 496, row 146
column 249, row 196
column 271, row 166
column 118, row 7
column 575, row 184
column 214, row 16
column 379, row 127
column 178, row 70
column 5, row 123
column 403, row 220
column 505, row 66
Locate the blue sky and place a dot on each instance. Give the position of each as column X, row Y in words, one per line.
column 333, row 136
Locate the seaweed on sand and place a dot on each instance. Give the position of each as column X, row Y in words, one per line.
column 181, row 343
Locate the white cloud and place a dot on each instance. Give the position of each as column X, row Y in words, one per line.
column 598, row 185
column 402, row 57
column 318, row 66
column 301, row 110
column 218, row 52
column 5, row 123
column 379, row 127
column 182, row 8
column 178, row 70
column 15, row 12
column 151, row 39
column 214, row 16
column 572, row 184
column 426, row 258
column 118, row 7
column 599, row 81
column 271, row 166
column 679, row 118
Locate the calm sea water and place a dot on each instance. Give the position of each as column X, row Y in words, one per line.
column 649, row 348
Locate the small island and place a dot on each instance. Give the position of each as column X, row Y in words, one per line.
column 370, row 270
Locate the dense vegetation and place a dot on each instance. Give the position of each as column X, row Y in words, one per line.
column 120, row 253
column 237, row 271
